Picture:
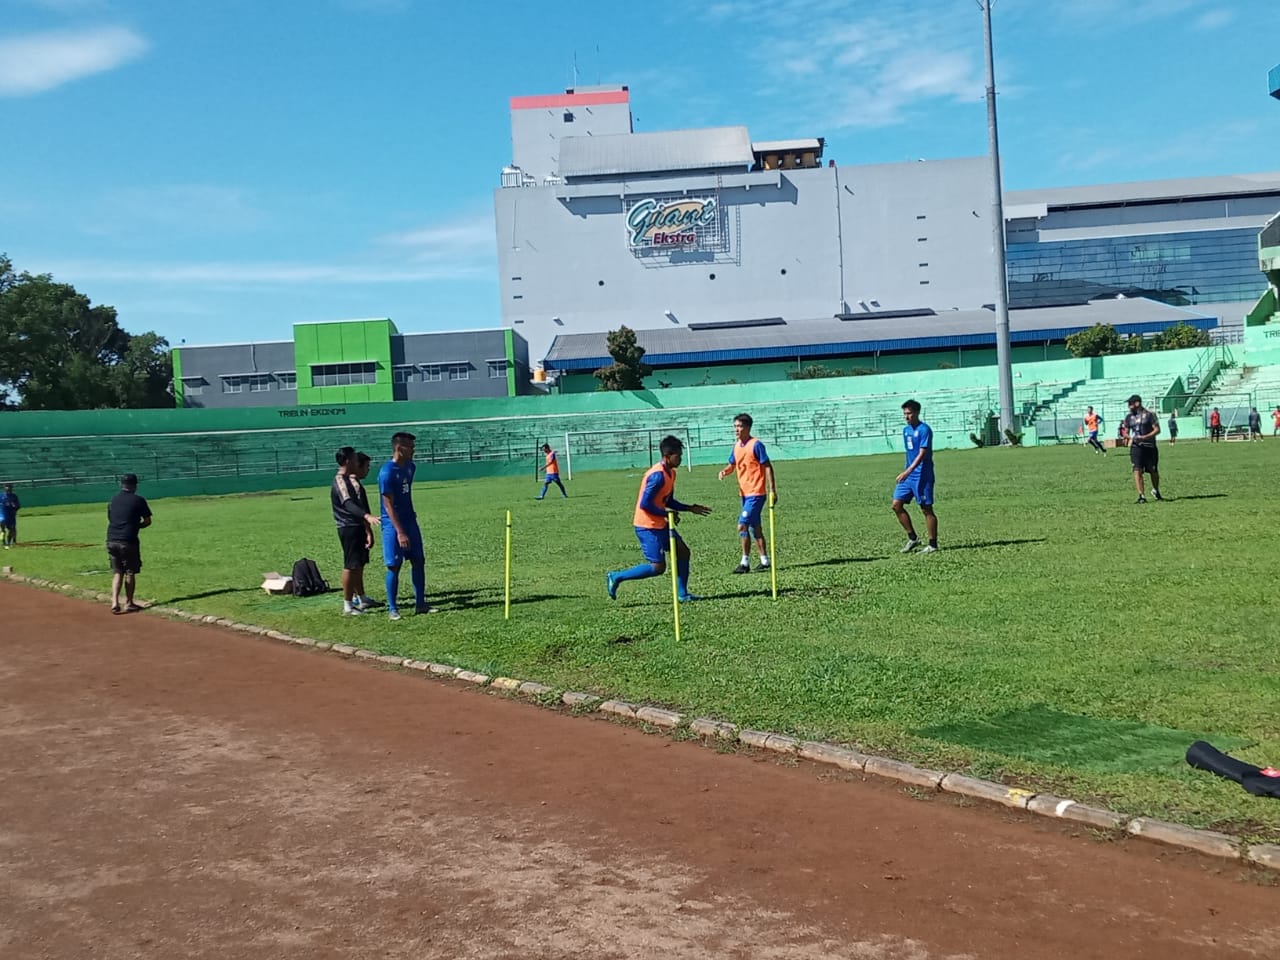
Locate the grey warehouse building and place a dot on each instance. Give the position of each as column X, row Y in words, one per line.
column 599, row 226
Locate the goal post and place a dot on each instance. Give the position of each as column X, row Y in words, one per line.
column 615, row 443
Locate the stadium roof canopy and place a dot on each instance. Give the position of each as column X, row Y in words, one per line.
column 853, row 334
column 1145, row 191
column 711, row 148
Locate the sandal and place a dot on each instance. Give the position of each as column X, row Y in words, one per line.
column 133, row 608
column 115, row 609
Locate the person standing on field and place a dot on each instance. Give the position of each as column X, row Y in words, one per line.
column 1143, row 428
column 127, row 513
column 1173, row 426
column 1215, row 426
column 1255, row 425
column 756, row 481
column 9, row 507
column 355, row 523
column 1275, row 421
column 401, row 537
column 916, row 481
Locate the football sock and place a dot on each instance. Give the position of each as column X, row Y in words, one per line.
column 393, row 587
column 639, row 572
column 764, row 559
column 346, row 606
column 418, row 573
column 746, row 560
column 933, row 542
column 544, row 491
column 682, row 576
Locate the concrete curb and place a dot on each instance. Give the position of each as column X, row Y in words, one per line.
column 1208, row 842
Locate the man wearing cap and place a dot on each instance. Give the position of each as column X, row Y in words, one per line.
column 127, row 513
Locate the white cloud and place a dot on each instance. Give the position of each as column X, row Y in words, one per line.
column 175, row 207
column 36, row 62
column 845, row 65
column 1214, row 19
column 459, row 241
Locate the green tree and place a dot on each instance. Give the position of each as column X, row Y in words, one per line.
column 628, row 370
column 1179, row 337
column 1102, row 340
column 59, row 352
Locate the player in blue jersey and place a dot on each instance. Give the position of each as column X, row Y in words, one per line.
column 401, row 538
column 916, row 481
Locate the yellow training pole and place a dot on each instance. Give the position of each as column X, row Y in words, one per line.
column 507, row 606
column 773, row 552
column 671, row 559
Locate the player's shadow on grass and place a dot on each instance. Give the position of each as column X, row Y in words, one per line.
column 993, row 543
column 211, row 593
column 1199, row 496
column 498, row 602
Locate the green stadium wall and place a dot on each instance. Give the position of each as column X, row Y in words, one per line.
column 74, row 456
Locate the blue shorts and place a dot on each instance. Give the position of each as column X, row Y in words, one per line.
column 752, row 507
column 918, row 488
column 393, row 555
column 553, row 478
column 1093, row 434
column 654, row 543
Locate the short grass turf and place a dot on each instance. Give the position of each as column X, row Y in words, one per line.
column 1064, row 638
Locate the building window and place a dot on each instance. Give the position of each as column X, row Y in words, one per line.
column 432, row 373
column 497, row 369
column 287, row 381
column 459, row 371
column 259, row 384
column 343, row 374
column 404, row 373
column 192, row 389
column 233, row 384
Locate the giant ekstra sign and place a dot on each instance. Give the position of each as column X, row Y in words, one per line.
column 669, row 223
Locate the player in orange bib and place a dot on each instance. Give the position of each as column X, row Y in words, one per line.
column 553, row 472
column 657, row 496
column 756, row 480
column 1091, row 423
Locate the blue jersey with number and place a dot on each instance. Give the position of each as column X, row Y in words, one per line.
column 396, row 482
column 914, row 439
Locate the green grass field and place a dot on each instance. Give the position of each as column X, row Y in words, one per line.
column 1065, row 638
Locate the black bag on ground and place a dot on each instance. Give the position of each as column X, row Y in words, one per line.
column 307, row 581
column 1261, row 782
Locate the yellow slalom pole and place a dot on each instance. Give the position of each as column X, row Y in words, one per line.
column 671, row 559
column 507, row 606
column 773, row 552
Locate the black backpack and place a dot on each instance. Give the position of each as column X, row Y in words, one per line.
column 307, row 581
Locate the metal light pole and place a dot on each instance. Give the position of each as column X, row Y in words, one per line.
column 1004, row 360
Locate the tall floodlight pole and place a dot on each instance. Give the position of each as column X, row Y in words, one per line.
column 1004, row 359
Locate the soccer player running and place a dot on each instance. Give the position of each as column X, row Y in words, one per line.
column 916, row 481
column 1143, row 427
column 756, row 479
column 1091, row 421
column 552, row 472
column 354, row 522
column 401, row 538
column 657, row 496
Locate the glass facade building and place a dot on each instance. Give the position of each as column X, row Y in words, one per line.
column 1203, row 266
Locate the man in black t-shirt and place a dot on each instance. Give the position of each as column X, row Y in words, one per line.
column 1143, row 426
column 127, row 513
column 354, row 521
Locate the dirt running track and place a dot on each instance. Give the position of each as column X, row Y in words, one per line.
column 178, row 791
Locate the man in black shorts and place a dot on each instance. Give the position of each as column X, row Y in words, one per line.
column 354, row 521
column 1143, row 426
column 127, row 513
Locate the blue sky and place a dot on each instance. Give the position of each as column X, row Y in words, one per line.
column 220, row 169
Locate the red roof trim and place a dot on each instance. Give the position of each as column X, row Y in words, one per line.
column 570, row 100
